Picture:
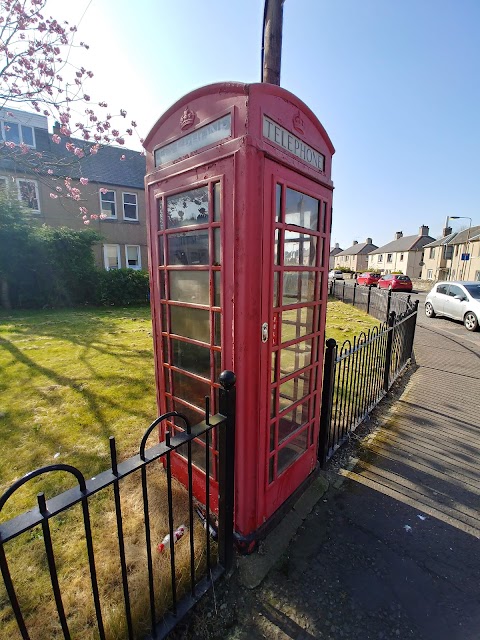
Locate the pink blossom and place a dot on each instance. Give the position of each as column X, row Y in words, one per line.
column 94, row 216
column 83, row 210
column 10, row 145
column 86, row 222
column 9, row 114
column 84, row 181
column 102, row 216
column 123, row 157
column 53, row 196
column 50, row 172
column 70, row 146
column 120, row 140
column 103, row 190
column 94, row 149
column 123, row 113
column 78, row 152
column 56, row 138
column 59, row 189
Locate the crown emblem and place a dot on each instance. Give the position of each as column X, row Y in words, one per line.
column 187, row 119
column 298, row 123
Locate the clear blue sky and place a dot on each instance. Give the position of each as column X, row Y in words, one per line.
column 396, row 85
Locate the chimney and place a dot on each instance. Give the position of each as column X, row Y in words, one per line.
column 355, row 242
column 447, row 231
column 56, row 128
column 423, row 231
column 368, row 241
column 337, row 246
column 398, row 235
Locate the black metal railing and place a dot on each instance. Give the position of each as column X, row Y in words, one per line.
column 376, row 302
column 358, row 374
column 216, row 561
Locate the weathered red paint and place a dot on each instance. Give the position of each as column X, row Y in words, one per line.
column 249, row 167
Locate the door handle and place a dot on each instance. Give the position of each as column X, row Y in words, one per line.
column 265, row 332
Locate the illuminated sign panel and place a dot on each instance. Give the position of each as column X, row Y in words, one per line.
column 202, row 137
column 283, row 138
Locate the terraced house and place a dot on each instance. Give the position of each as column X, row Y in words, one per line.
column 355, row 257
column 454, row 256
column 114, row 189
column 404, row 254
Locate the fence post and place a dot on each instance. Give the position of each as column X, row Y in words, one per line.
column 415, row 313
column 343, row 291
column 368, row 299
column 389, row 303
column 327, row 399
column 354, row 291
column 226, row 470
column 388, row 351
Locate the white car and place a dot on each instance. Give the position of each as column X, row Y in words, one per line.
column 335, row 275
column 457, row 300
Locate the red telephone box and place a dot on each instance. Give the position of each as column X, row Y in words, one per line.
column 239, row 201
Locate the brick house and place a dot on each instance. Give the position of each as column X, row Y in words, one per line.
column 404, row 254
column 115, row 188
column 356, row 256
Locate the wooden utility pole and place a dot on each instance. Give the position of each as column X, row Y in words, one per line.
column 272, row 41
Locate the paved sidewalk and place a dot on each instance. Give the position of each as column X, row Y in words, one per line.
column 394, row 552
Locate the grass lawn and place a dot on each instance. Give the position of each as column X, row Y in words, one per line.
column 68, row 380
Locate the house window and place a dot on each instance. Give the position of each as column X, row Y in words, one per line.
column 448, row 252
column 430, row 274
column 130, row 207
column 108, row 204
column 17, row 133
column 28, row 194
column 380, row 257
column 401, row 257
column 389, row 257
column 432, row 252
column 111, row 256
column 132, row 256
column 3, row 183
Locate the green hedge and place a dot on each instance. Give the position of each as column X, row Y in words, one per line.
column 123, row 287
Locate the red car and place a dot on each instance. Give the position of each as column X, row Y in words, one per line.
column 368, row 279
column 395, row 282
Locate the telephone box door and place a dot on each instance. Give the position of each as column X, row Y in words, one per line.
column 296, row 217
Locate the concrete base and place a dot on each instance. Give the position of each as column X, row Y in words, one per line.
column 254, row 568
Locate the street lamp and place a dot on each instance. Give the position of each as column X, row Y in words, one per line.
column 468, row 238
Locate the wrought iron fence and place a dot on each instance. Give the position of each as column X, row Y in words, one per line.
column 376, row 302
column 218, row 433
column 358, row 374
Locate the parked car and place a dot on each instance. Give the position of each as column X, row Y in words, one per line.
column 457, row 300
column 395, row 282
column 368, row 279
column 335, row 275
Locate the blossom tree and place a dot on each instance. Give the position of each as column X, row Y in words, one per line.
column 35, row 71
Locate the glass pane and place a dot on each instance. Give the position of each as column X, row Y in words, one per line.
column 273, row 404
column 217, row 281
column 276, row 247
column 191, row 323
column 191, row 357
column 27, row 135
column 272, row 436
column 274, row 368
column 164, row 317
column 166, row 357
column 217, row 360
column 217, row 247
column 301, row 210
column 189, row 389
column 275, row 289
column 320, row 245
column 298, row 287
column 160, row 251
column 323, row 224
column 192, row 415
column 12, row 132
column 161, row 278
column 294, row 390
column 166, row 373
column 292, row 421
column 271, row 469
column 188, row 248
column 296, row 357
column 217, row 329
column 299, row 249
column 130, row 198
column 188, row 208
column 297, row 323
column 161, row 224
column 198, row 455
column 292, row 451
column 217, row 201
column 278, row 203
column 190, row 286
